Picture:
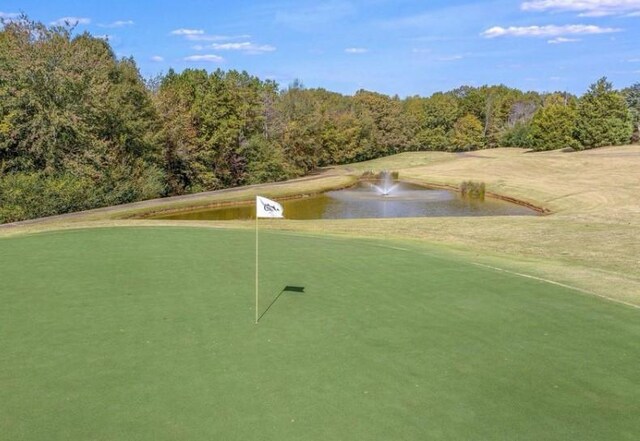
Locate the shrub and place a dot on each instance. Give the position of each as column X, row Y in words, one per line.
column 32, row 195
column 472, row 190
column 29, row 195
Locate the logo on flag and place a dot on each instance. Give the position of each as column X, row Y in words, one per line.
column 268, row 208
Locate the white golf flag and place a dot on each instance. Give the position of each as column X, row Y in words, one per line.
column 268, row 208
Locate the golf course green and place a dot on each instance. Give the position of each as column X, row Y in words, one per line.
column 149, row 334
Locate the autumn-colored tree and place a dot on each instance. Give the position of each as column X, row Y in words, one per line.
column 79, row 128
column 467, row 134
column 208, row 120
column 441, row 111
column 72, row 117
column 383, row 115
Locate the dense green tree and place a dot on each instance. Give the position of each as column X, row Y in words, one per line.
column 207, row 122
column 603, row 117
column 316, row 127
column 383, row 116
column 344, row 139
column 174, row 99
column 229, row 114
column 492, row 106
column 553, row 126
column 413, row 112
column 27, row 195
column 79, row 128
column 441, row 111
column 436, row 138
column 518, row 135
column 467, row 134
column 266, row 162
column 632, row 97
column 299, row 127
column 73, row 115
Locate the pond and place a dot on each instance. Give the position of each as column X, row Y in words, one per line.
column 366, row 200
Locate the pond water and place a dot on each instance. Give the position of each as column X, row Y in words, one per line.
column 365, row 200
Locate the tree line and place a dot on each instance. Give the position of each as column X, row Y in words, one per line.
column 80, row 128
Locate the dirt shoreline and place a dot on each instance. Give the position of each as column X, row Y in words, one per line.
column 539, row 209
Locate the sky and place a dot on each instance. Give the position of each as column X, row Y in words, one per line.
column 402, row 47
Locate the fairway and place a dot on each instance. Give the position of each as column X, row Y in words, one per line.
column 149, row 334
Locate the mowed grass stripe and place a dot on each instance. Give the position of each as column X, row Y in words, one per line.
column 148, row 334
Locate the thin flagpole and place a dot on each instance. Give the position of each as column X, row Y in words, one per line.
column 256, row 262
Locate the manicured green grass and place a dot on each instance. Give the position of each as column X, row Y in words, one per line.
column 148, row 334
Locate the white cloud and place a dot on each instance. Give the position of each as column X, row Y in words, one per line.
column 207, row 37
column 157, row 58
column 9, row 15
column 356, row 50
column 586, row 8
column 449, row 58
column 183, row 31
column 201, row 35
column 560, row 40
column 117, row 24
column 546, row 31
column 210, row 58
column 73, row 21
column 248, row 47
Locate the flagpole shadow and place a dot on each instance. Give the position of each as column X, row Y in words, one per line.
column 287, row 288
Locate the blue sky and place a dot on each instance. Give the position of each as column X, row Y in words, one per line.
column 403, row 47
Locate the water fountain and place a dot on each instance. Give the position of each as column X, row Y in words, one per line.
column 387, row 185
column 374, row 196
